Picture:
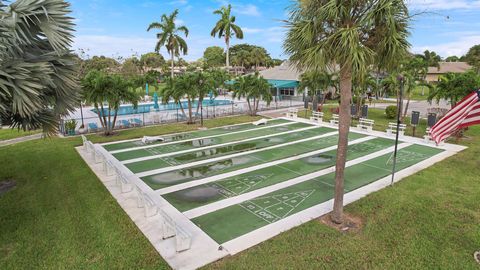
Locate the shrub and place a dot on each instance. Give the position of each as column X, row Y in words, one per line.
column 391, row 111
column 335, row 110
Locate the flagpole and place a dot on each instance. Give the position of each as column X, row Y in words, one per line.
column 399, row 112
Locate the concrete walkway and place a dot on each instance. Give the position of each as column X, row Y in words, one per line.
column 21, row 139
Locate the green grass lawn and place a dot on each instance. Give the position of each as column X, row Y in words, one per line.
column 8, row 134
column 60, row 216
column 418, row 91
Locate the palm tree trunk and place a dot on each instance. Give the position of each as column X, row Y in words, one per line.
column 114, row 119
column 109, row 125
column 343, row 130
column 173, row 64
column 100, row 114
column 249, row 106
column 104, row 124
column 181, row 108
column 227, row 42
column 200, row 103
column 190, row 120
column 405, row 112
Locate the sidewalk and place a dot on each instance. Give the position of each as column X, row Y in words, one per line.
column 21, row 139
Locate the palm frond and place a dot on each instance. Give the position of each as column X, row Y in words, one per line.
column 38, row 81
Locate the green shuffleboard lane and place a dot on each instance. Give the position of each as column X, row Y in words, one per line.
column 192, row 144
column 194, row 134
column 190, row 198
column 234, row 221
column 171, row 178
column 174, row 160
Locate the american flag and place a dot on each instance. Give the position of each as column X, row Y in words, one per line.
column 466, row 113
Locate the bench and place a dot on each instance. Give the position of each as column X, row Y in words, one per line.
column 367, row 124
column 123, row 182
column 108, row 167
column 89, row 148
column 169, row 229
column 84, row 141
column 183, row 239
column 392, row 129
column 292, row 113
column 98, row 155
column 317, row 117
column 334, row 120
column 168, row 226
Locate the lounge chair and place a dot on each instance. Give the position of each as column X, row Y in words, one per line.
column 136, row 122
column 124, row 123
column 93, row 127
column 150, row 139
column 260, row 122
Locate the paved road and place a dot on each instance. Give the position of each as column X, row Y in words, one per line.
column 421, row 106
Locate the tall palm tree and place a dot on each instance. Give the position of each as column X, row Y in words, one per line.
column 254, row 89
column 258, row 56
column 226, row 28
column 352, row 35
column 38, row 74
column 169, row 37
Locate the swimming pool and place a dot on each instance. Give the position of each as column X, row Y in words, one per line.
column 146, row 108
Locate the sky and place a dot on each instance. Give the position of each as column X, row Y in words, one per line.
column 118, row 27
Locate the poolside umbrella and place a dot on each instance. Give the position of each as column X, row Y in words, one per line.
column 146, row 89
column 155, row 101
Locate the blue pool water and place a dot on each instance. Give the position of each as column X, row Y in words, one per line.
column 145, row 108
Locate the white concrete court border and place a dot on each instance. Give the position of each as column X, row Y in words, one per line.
column 264, row 233
column 178, row 133
column 205, row 161
column 208, row 250
column 217, row 177
column 128, row 161
column 193, row 139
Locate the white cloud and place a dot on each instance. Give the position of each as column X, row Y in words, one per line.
column 458, row 47
column 113, row 46
column 127, row 46
column 247, row 30
column 443, row 4
column 274, row 34
column 179, row 2
column 179, row 22
column 249, row 9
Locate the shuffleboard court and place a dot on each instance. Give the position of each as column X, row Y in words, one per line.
column 228, row 223
column 175, row 177
column 175, row 160
column 205, row 142
column 201, row 195
column 195, row 134
column 207, row 194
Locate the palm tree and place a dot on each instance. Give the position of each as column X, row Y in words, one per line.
column 254, row 89
column 226, row 28
column 189, row 86
column 244, row 58
column 314, row 81
column 353, row 35
column 101, row 89
column 170, row 38
column 38, row 74
column 258, row 56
